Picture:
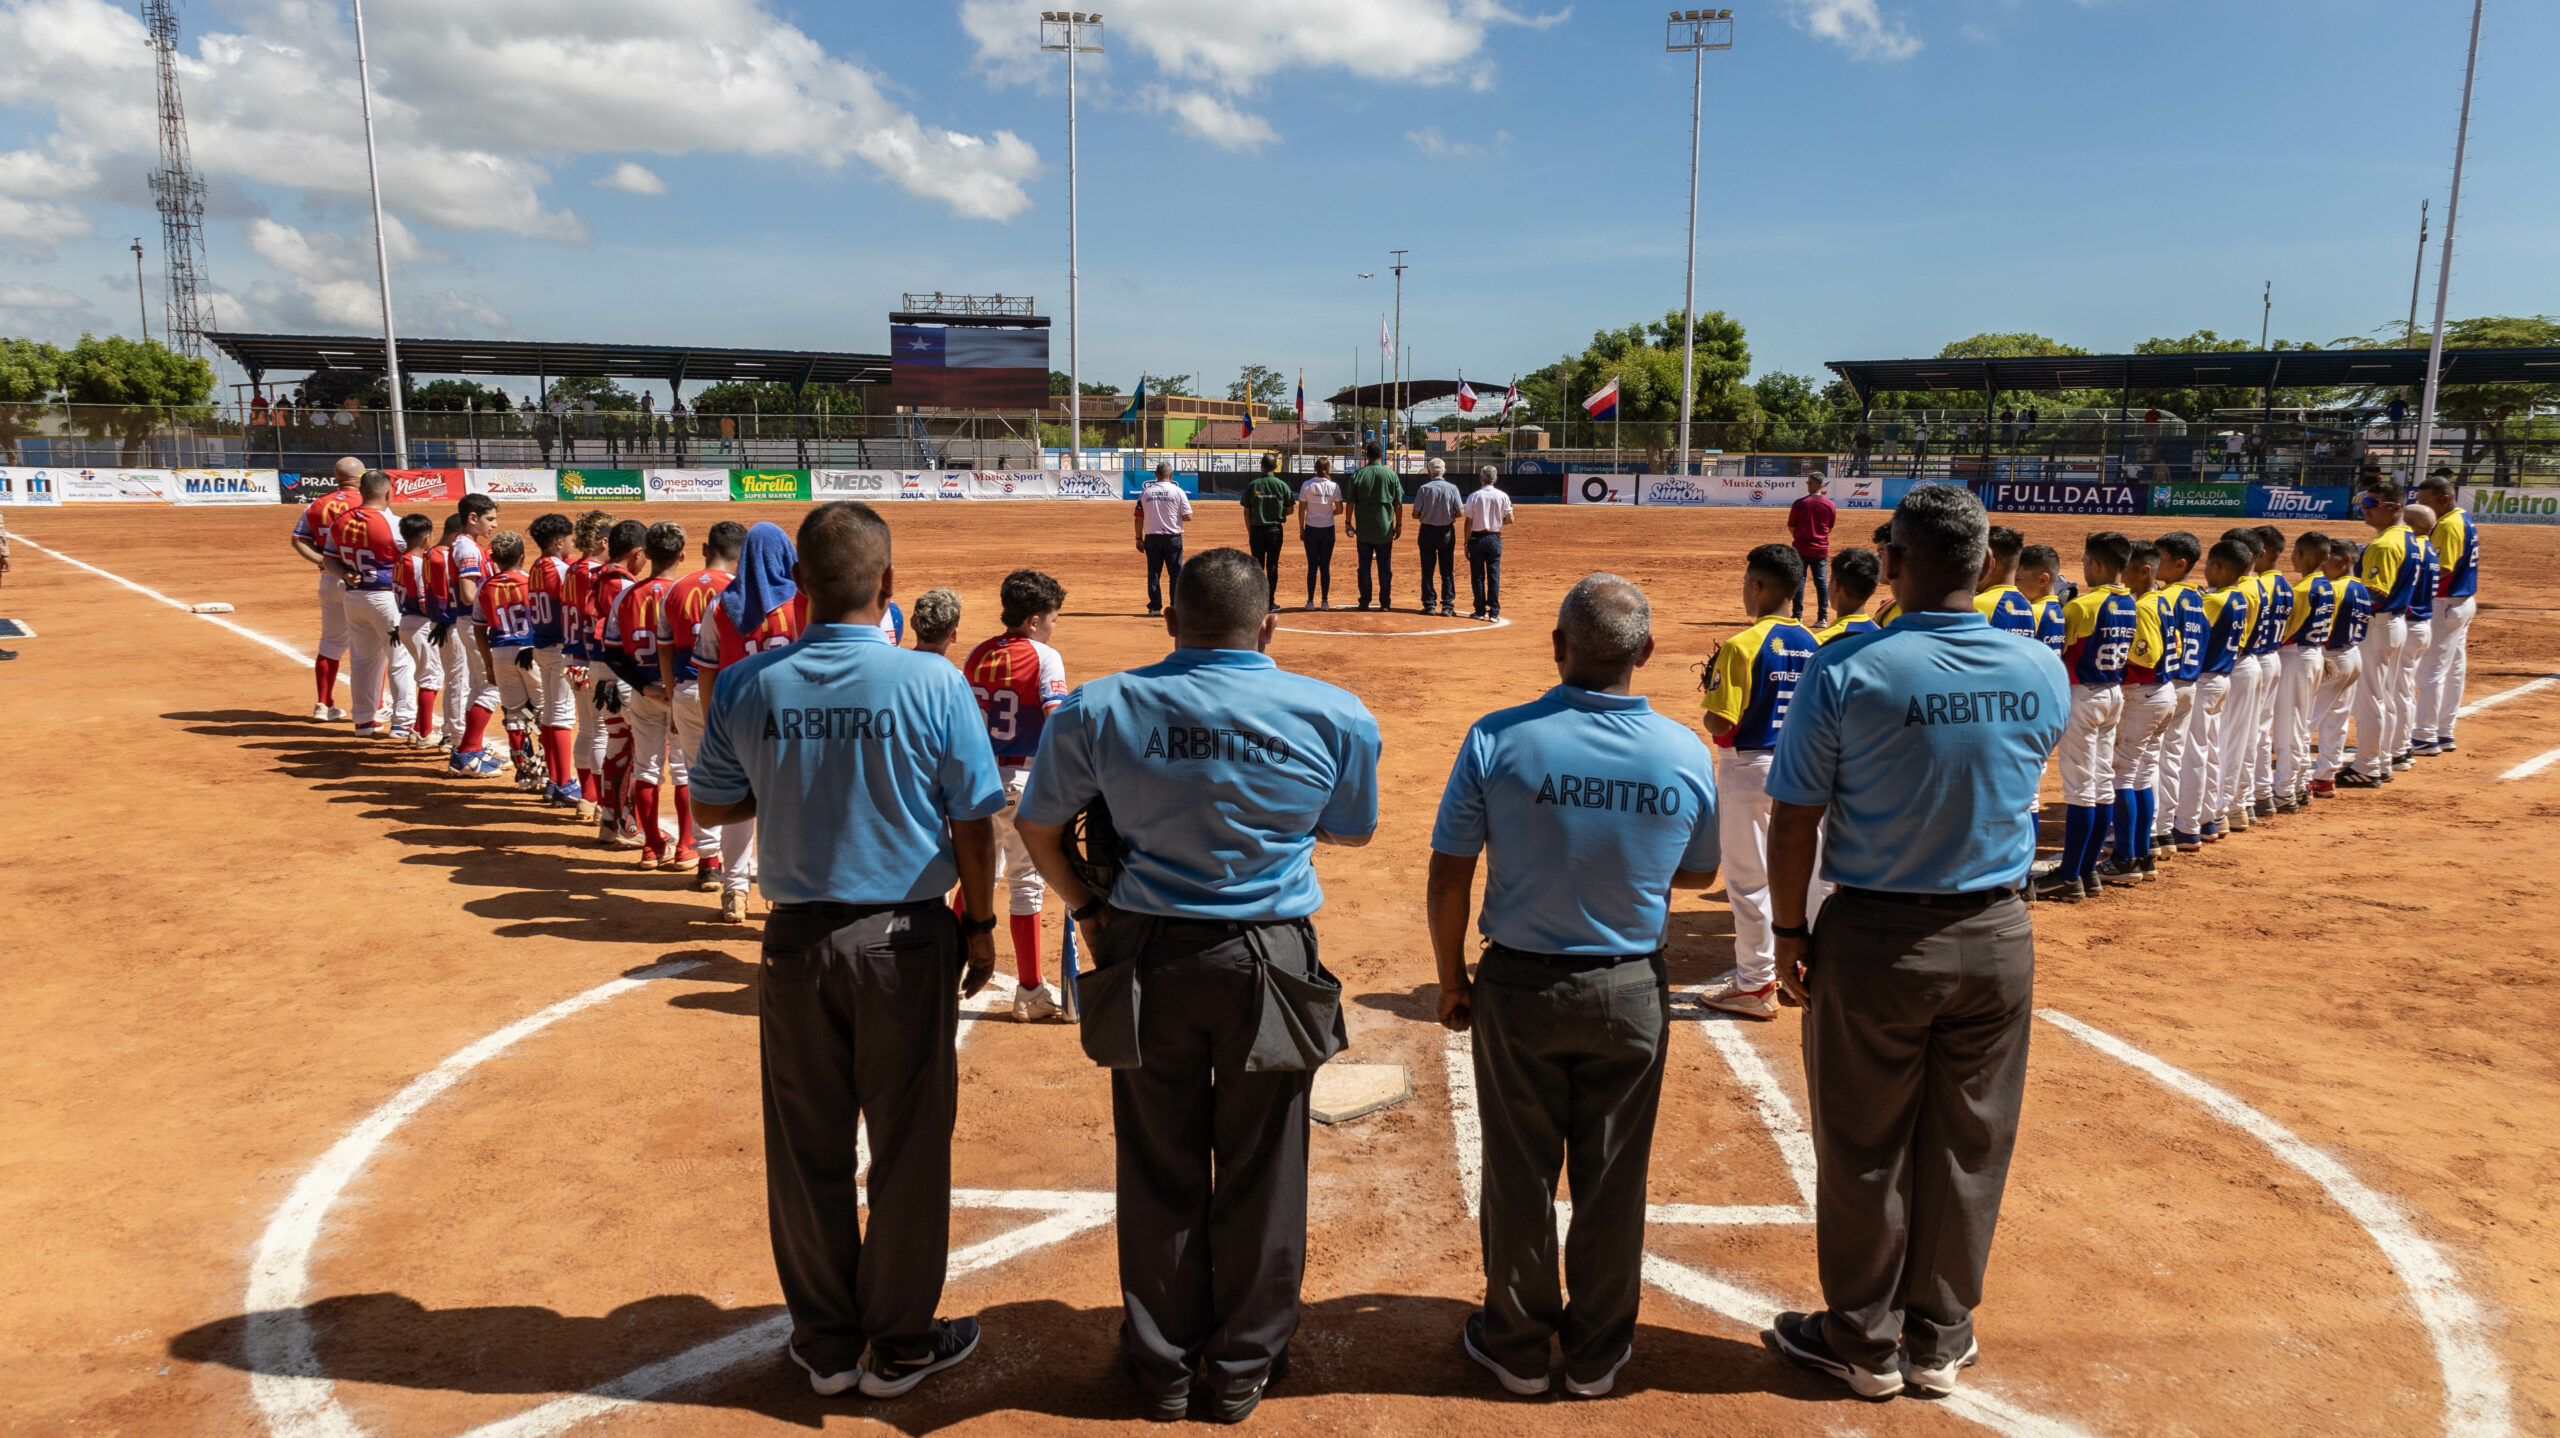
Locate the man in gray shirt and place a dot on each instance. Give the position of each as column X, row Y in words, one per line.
column 1435, row 519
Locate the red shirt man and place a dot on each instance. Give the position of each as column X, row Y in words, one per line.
column 1810, row 519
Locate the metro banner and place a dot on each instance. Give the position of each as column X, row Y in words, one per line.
column 2492, row 505
column 2002, row 496
column 600, row 484
column 424, row 486
column 688, row 486
column 769, row 485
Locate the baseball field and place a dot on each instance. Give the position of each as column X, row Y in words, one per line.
column 344, row 1096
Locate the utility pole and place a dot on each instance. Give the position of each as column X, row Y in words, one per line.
column 2444, row 272
column 381, row 252
column 2266, row 313
column 1395, row 384
column 1072, row 32
column 2417, row 273
column 142, row 297
column 1696, row 31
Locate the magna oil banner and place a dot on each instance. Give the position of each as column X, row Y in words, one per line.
column 228, row 486
column 425, row 486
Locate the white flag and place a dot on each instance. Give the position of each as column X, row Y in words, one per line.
column 1386, row 345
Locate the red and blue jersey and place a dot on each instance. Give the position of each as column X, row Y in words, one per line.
column 463, row 554
column 437, row 596
column 506, row 607
column 598, row 606
column 409, row 581
column 1753, row 678
column 318, row 526
column 633, row 623
column 369, row 545
column 550, row 602
column 1017, row 681
column 2098, row 633
column 688, row 602
column 718, row 644
column 577, row 621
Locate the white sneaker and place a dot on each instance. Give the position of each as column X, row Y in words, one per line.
column 1034, row 1003
column 1598, row 1387
column 1728, row 996
column 827, row 1385
column 320, row 713
column 1941, row 1381
column 337, row 715
column 733, row 906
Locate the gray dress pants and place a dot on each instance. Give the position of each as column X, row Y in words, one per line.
column 1915, row 1059
column 858, row 1011
column 1569, row 1059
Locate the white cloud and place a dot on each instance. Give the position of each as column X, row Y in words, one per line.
column 1857, row 26
column 45, row 313
column 474, row 100
column 332, row 284
column 632, row 179
column 1216, row 121
column 1431, row 142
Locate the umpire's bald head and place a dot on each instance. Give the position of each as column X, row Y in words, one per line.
column 844, row 557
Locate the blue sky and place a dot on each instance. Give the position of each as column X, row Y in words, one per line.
column 1878, row 178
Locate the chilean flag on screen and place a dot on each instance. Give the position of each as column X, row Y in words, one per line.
column 1466, row 397
column 1605, row 403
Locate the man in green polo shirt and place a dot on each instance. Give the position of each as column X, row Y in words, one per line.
column 1267, row 502
column 1375, row 500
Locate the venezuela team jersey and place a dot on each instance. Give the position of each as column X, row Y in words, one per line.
column 2007, row 609
column 2051, row 625
column 2155, row 638
column 1844, row 626
column 2275, row 613
column 2457, row 544
column 2355, row 613
column 1753, row 678
column 505, row 606
column 2390, row 569
column 2226, row 624
column 1017, row 681
column 2422, row 590
column 2099, row 632
column 2315, row 609
column 2187, row 603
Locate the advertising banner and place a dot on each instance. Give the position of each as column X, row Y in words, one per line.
column 117, row 486
column 2284, row 501
column 869, row 485
column 2003, row 496
column 2199, row 500
column 1601, row 488
column 1720, row 490
column 1188, row 481
column 2491, row 505
column 600, row 484
column 228, row 486
column 1858, row 492
column 880, row 485
column 782, row 486
column 686, row 486
column 1085, row 484
column 424, row 486
column 30, row 486
column 523, row 485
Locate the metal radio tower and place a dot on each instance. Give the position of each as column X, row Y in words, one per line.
column 178, row 190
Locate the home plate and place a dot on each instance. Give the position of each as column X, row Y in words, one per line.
column 1347, row 1091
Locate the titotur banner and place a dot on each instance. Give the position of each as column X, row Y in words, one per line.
column 2285, row 501
column 686, row 486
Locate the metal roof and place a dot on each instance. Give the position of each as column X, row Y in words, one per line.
column 676, row 364
column 2255, row 369
column 1412, row 391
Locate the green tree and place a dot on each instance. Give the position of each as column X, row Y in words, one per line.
column 1258, row 384
column 30, row 371
column 2493, row 416
column 2200, row 401
column 609, row 396
column 1159, row 385
column 121, row 371
column 453, row 396
column 1645, row 361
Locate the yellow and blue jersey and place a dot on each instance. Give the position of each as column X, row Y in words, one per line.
column 2390, row 569
column 2422, row 593
column 2186, row 599
column 2456, row 541
column 2049, row 623
column 2099, row 631
column 2007, row 609
column 2275, row 613
column 1844, row 626
column 2154, row 659
column 1754, row 680
column 2354, row 613
column 2226, row 627
column 2315, row 611
column 1892, row 611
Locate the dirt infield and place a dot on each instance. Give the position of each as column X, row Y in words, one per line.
column 234, row 941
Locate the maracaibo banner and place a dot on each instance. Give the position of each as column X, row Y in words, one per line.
column 2200, row 500
column 600, row 484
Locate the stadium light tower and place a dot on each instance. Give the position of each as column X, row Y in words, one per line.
column 1696, row 31
column 1074, row 33
column 381, row 252
column 2444, row 271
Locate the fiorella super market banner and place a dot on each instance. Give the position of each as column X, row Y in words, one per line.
column 770, row 486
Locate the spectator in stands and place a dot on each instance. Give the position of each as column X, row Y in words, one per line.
column 1809, row 522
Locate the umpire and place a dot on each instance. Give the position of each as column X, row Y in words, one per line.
column 1222, row 772
column 1910, row 759
column 869, row 771
column 1595, row 809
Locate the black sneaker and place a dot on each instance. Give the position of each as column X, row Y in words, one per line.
column 887, row 1376
column 1235, row 1408
column 2357, row 779
column 1471, row 1342
column 2150, row 867
column 1161, row 1407
column 2091, row 886
column 2120, row 871
column 1797, row 1337
column 2058, row 889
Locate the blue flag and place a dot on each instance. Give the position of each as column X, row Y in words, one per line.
column 1137, row 402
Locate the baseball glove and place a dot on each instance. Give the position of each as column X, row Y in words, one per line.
column 524, row 660
column 442, row 631
column 608, row 697
column 1094, row 849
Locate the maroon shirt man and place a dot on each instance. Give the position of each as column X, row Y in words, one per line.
column 1809, row 520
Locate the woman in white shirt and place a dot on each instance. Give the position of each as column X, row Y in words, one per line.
column 1318, row 498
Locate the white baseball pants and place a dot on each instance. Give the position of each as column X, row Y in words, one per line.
column 2200, row 769
column 555, row 706
column 480, row 685
column 2333, row 703
column 333, row 616
column 2173, row 758
column 2443, row 669
column 426, row 664
column 516, row 685
column 2405, row 731
column 588, row 744
column 651, row 722
column 1742, row 823
column 455, row 696
column 2297, row 682
column 2239, row 736
column 1023, row 887
column 383, row 686
column 2262, row 763
column 2139, row 730
column 686, row 716
column 2087, row 752
column 2375, row 707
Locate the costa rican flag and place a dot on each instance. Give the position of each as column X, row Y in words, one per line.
column 1604, row 404
column 1466, row 397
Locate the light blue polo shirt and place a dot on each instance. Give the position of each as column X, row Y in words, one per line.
column 857, row 752
column 1927, row 740
column 1590, row 802
column 1219, row 767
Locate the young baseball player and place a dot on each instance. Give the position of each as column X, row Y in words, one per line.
column 1020, row 681
column 2038, row 567
column 937, row 621
column 444, row 641
column 2180, row 553
column 2389, row 569
column 2099, row 628
column 635, row 633
column 1749, row 685
column 420, row 608
column 556, row 703
column 2226, row 620
column 469, row 557
column 2311, row 607
column 2446, row 665
column 505, row 632
column 2240, row 707
column 763, row 609
column 615, row 826
column 577, row 633
column 2341, row 665
column 1999, row 599
column 1855, row 573
column 1892, row 609
column 366, row 559
column 2275, row 616
column 2422, row 624
column 315, row 537
column 2149, row 699
column 679, row 630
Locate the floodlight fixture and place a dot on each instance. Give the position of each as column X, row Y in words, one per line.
column 1072, row 33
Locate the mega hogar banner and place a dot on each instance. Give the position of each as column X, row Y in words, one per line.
column 685, row 486
column 2002, row 496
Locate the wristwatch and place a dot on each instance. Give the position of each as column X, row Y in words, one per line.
column 972, row 928
column 1792, row 931
column 1091, row 908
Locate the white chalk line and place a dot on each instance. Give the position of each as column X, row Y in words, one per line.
column 2533, row 766
column 299, row 1400
column 269, row 640
column 1777, row 1111
column 2494, row 700
column 1474, row 626
column 2475, row 1383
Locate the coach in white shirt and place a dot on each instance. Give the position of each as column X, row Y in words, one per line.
column 1162, row 511
column 1487, row 514
column 1318, row 499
